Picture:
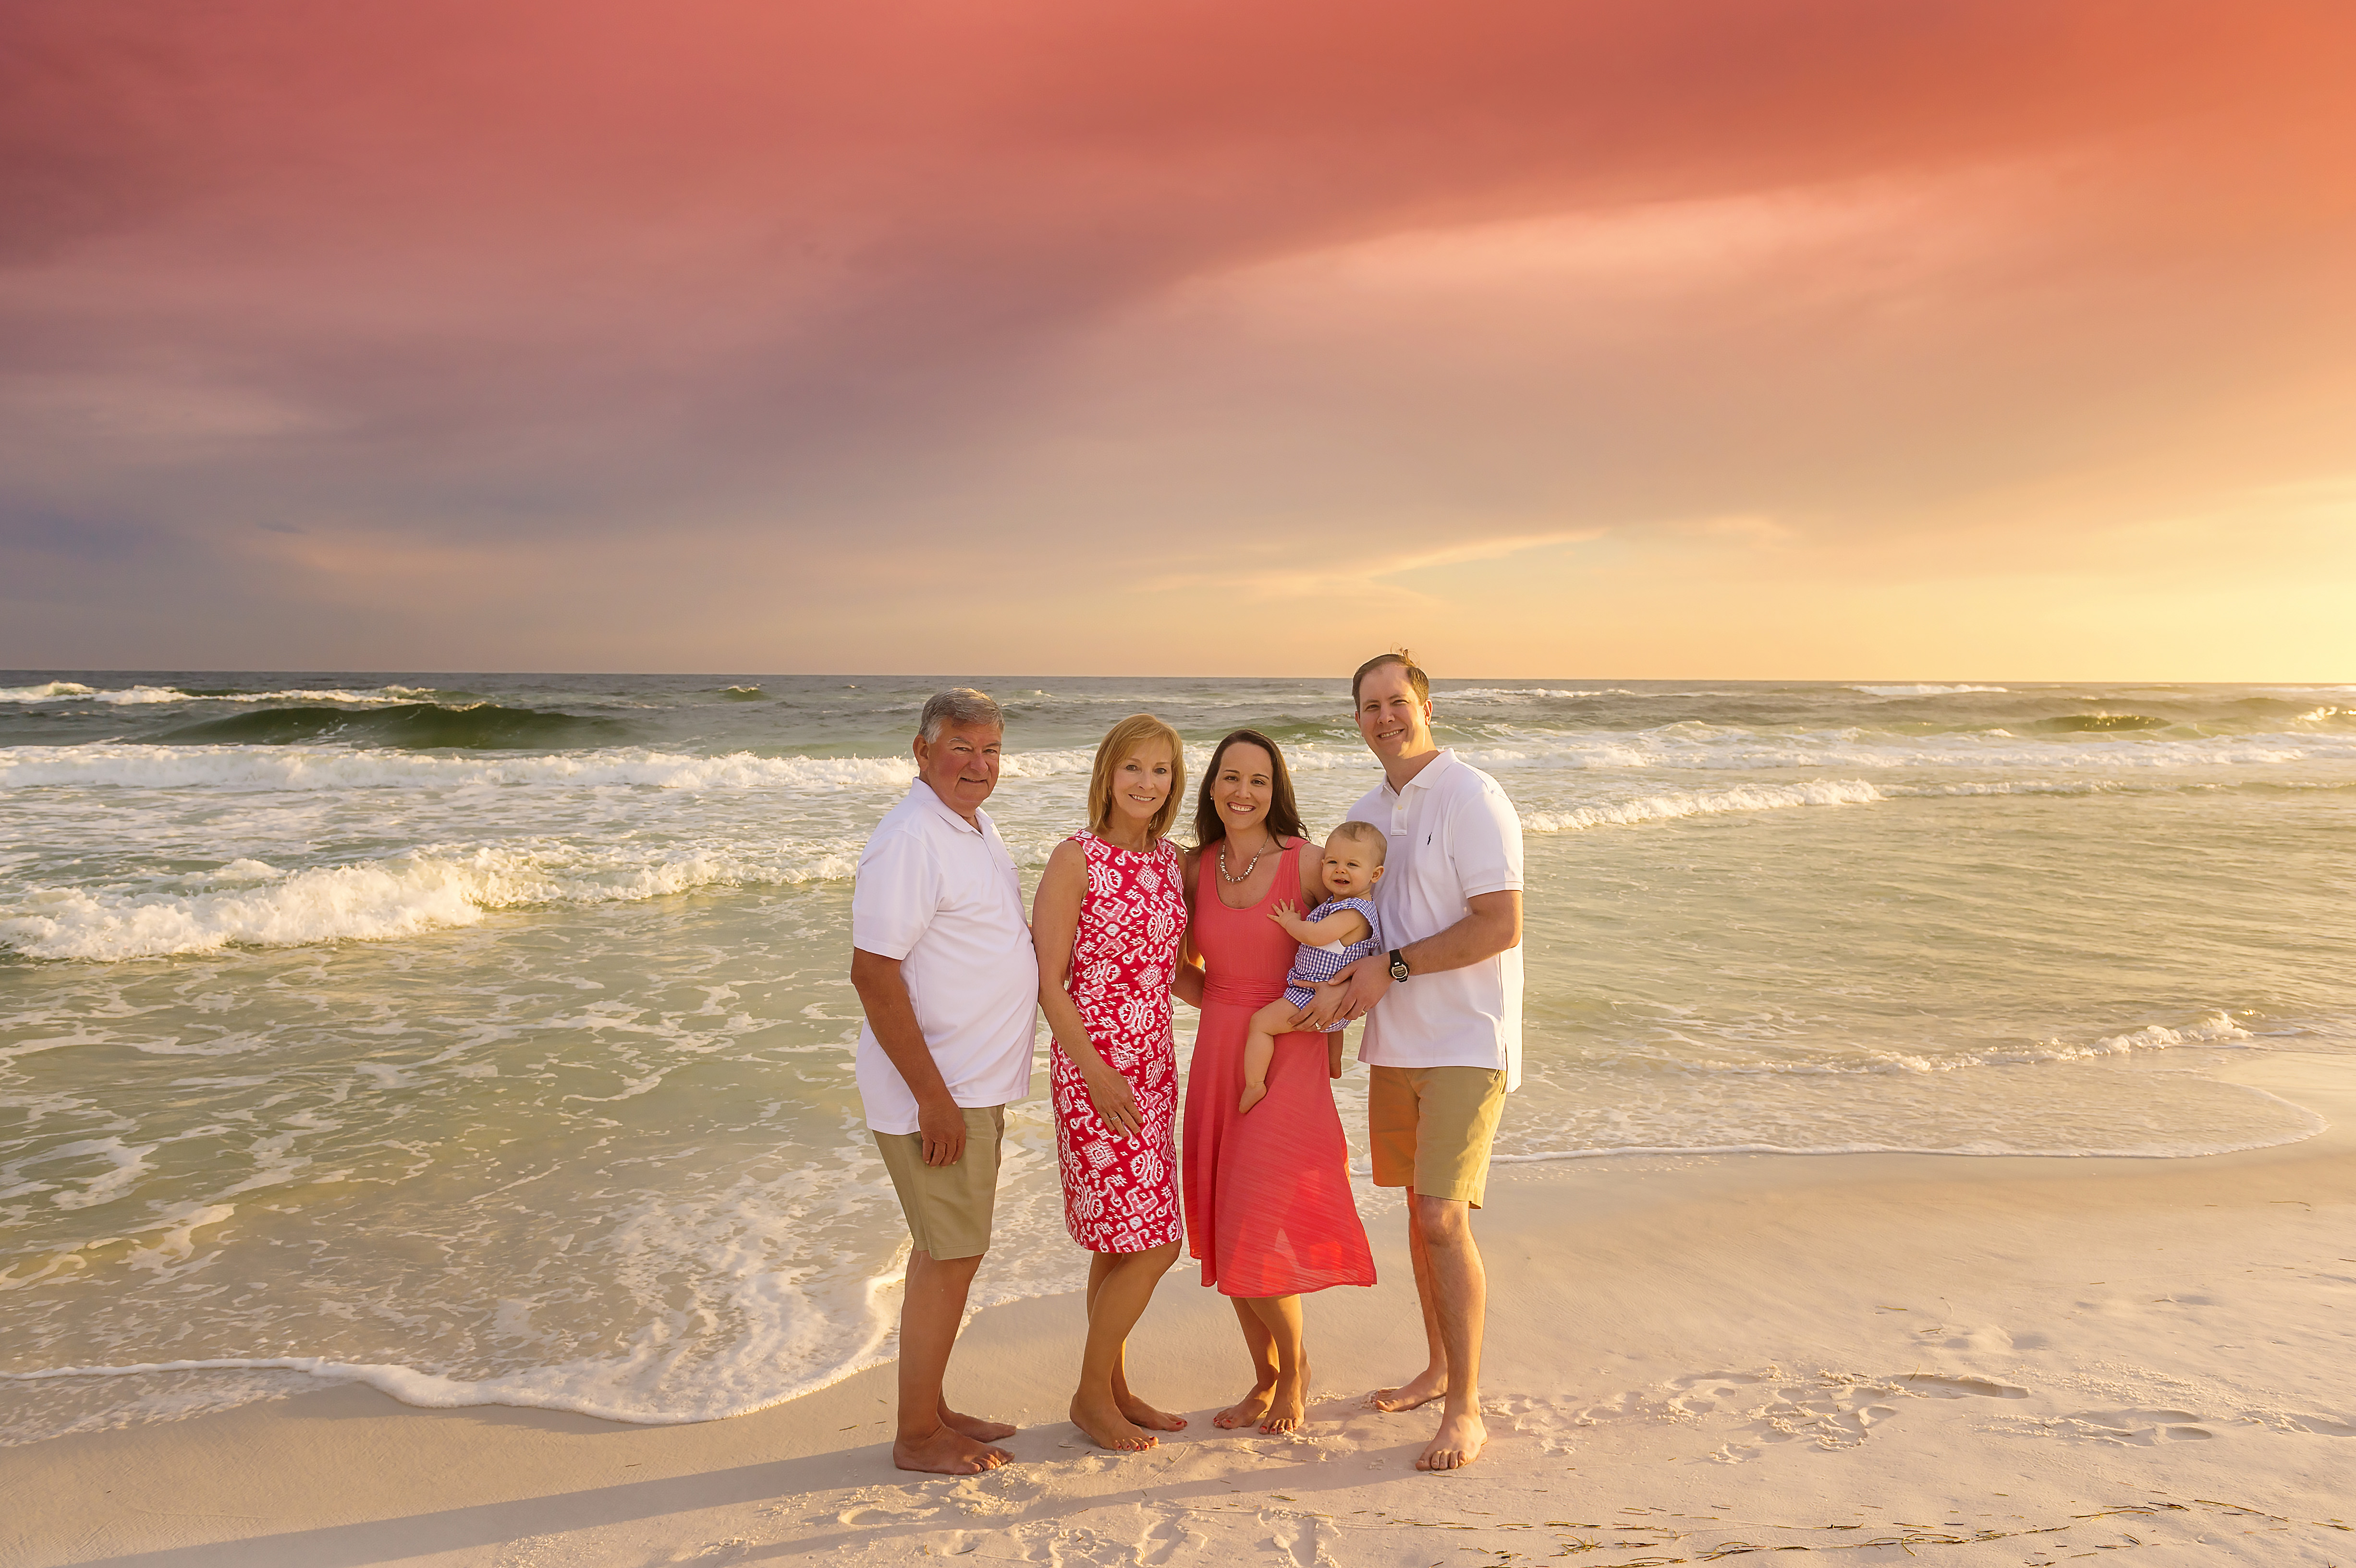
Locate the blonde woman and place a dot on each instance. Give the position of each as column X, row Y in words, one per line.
column 1108, row 921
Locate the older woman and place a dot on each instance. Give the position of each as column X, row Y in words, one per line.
column 1268, row 1209
column 1108, row 922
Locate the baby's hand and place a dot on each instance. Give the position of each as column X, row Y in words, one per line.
column 1285, row 911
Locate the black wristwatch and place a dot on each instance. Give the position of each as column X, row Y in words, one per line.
column 1399, row 964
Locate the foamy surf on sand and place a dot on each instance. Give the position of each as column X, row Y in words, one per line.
column 486, row 1043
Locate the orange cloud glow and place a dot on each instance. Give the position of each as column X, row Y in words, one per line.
column 1832, row 337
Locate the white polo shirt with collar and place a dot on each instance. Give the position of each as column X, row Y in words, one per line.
column 940, row 894
column 1452, row 835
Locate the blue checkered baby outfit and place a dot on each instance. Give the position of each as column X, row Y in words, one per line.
column 1316, row 964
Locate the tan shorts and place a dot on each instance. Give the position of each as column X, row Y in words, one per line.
column 949, row 1206
column 1430, row 1128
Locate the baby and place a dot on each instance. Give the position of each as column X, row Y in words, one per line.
column 1339, row 931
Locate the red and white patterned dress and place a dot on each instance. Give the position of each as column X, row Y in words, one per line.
column 1120, row 1194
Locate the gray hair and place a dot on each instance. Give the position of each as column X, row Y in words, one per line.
column 958, row 705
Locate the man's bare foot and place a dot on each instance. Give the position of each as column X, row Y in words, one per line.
column 1144, row 1416
column 1253, row 1094
column 1421, row 1389
column 1102, row 1424
column 1246, row 1411
column 1287, row 1402
column 944, row 1452
column 974, row 1426
column 1457, row 1444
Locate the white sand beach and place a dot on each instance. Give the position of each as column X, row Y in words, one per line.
column 1884, row 1357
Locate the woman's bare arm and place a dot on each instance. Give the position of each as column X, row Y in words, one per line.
column 1187, row 980
column 1055, row 924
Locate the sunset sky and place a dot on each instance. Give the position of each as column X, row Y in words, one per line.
column 1759, row 339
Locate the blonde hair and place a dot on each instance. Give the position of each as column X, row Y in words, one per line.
column 1122, row 740
column 1364, row 833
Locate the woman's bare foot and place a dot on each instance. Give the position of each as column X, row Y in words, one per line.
column 1289, row 1401
column 1421, row 1389
column 945, row 1451
column 974, row 1426
column 1144, row 1416
column 1457, row 1444
column 1246, row 1411
column 1102, row 1422
column 1253, row 1094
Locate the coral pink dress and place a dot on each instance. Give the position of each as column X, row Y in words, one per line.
column 1268, row 1209
column 1120, row 1194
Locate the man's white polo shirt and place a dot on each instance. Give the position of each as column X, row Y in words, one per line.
column 1453, row 836
column 940, row 894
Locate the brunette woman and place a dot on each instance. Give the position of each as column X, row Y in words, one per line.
column 1268, row 1209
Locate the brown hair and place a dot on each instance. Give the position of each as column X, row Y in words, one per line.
column 1406, row 661
column 1122, row 741
column 1283, row 815
column 1364, row 833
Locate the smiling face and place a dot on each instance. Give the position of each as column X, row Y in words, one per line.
column 1394, row 721
column 1242, row 786
column 1140, row 782
column 962, row 765
column 1354, row 863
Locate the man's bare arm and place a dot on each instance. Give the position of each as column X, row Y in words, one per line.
column 1492, row 923
column 893, row 1016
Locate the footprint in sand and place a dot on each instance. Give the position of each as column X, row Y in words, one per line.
column 2131, row 1428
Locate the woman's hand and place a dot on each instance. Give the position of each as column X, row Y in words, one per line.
column 1115, row 1101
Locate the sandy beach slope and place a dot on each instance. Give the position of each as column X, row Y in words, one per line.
column 1869, row 1358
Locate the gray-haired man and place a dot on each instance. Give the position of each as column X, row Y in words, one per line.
column 941, row 957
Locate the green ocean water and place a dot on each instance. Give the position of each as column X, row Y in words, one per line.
column 486, row 1038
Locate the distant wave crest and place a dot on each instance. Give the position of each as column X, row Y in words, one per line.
column 1923, row 690
column 153, row 695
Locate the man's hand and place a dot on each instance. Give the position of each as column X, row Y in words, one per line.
column 942, row 1125
column 1350, row 995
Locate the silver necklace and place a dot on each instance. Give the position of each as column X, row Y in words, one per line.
column 1246, row 875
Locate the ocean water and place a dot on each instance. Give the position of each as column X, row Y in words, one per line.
column 486, row 1038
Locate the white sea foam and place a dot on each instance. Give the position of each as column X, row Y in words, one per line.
column 1923, row 690
column 2215, row 1028
column 428, row 890
column 1531, row 693
column 1699, row 747
column 1665, row 807
column 129, row 765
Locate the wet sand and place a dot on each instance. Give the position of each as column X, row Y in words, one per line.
column 1882, row 1358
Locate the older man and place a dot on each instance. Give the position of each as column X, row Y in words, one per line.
column 941, row 958
column 1443, row 1039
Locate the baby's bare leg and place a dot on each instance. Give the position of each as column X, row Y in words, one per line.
column 1259, row 1048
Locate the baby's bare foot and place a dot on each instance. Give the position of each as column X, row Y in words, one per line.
column 1253, row 1094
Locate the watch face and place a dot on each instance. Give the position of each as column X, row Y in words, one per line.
column 1399, row 969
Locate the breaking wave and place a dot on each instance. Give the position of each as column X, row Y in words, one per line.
column 427, row 890
column 421, row 726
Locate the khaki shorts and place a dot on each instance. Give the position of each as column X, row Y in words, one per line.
column 1430, row 1128
column 949, row 1206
